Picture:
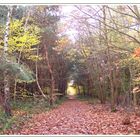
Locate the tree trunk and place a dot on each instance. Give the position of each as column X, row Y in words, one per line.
column 135, row 99
column 52, row 79
column 7, row 107
column 100, row 83
column 112, row 89
column 79, row 92
column 39, row 87
column 110, row 68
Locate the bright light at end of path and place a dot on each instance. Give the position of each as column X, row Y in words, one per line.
column 71, row 90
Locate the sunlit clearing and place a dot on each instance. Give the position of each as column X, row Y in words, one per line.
column 71, row 90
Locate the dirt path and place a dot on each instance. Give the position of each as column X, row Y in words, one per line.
column 78, row 117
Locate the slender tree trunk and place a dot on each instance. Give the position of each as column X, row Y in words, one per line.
column 39, row 87
column 110, row 68
column 100, row 82
column 116, row 84
column 79, row 92
column 111, row 88
column 135, row 99
column 7, row 107
column 90, row 86
column 52, row 78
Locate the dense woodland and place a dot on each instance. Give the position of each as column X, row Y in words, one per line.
column 38, row 58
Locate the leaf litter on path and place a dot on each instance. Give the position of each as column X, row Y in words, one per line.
column 75, row 117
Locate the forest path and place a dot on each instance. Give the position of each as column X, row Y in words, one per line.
column 77, row 117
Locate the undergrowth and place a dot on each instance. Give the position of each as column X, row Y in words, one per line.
column 22, row 111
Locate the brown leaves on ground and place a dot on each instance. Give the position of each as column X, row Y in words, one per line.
column 78, row 117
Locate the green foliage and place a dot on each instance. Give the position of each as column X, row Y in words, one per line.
column 133, row 63
column 24, row 93
column 21, row 38
column 25, row 75
column 20, row 71
column 22, row 111
column 25, row 105
column 47, row 90
column 60, row 101
column 34, row 57
column 5, row 123
column 21, row 41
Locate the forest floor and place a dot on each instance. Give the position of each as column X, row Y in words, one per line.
column 74, row 117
